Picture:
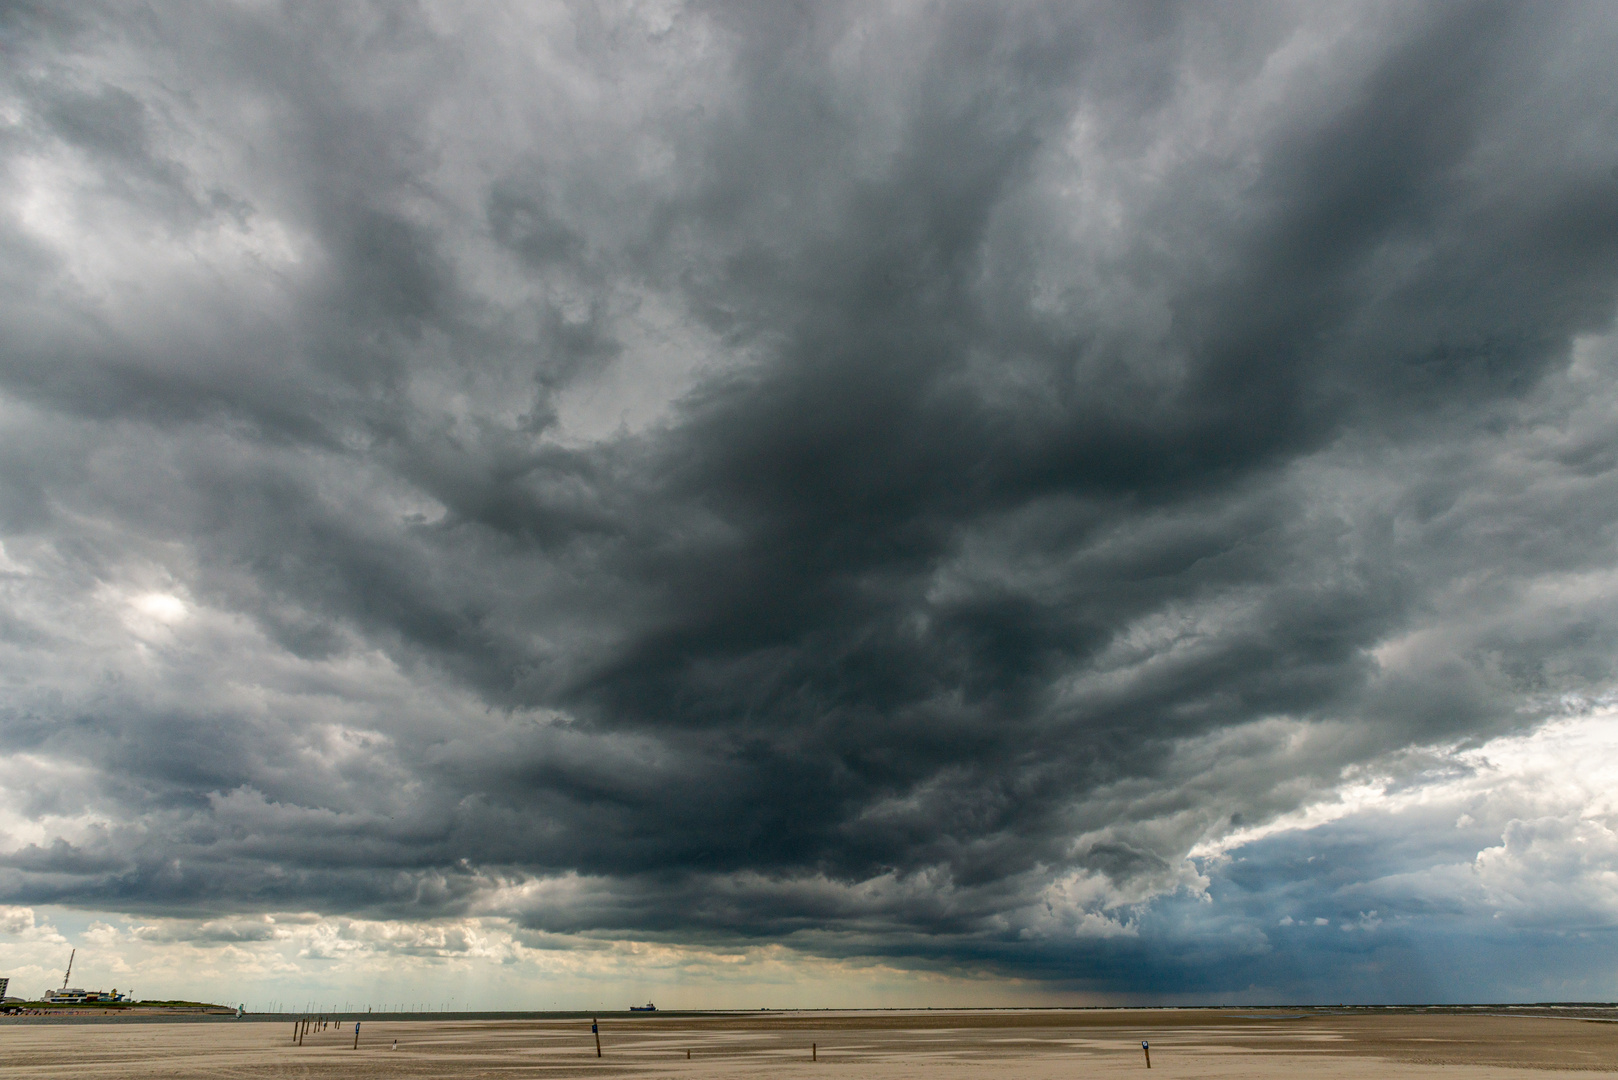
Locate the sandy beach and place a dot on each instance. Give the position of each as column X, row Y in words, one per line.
column 936, row 1045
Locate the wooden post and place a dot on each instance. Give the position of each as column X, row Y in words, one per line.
column 294, row 1033
column 814, row 1051
column 595, row 1029
column 688, row 1055
column 1146, row 1049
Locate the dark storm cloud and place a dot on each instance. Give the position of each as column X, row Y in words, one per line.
column 902, row 473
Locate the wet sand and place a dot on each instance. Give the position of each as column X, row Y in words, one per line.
column 928, row 1045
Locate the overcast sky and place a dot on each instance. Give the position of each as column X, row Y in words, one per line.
column 774, row 504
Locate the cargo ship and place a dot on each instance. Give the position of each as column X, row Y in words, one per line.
column 648, row 1007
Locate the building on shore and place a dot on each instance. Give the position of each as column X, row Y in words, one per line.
column 72, row 995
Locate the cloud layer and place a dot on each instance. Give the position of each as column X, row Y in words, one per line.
column 896, row 480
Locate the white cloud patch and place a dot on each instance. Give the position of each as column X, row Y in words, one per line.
column 1542, row 802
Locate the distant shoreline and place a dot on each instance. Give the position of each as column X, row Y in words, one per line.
column 115, row 1013
column 1586, row 1011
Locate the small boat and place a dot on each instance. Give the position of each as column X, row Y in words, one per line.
column 648, row 1007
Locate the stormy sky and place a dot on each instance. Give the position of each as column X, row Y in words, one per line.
column 810, row 504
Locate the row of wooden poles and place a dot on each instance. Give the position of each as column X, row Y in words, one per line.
column 302, row 1027
column 320, row 1023
column 317, row 1023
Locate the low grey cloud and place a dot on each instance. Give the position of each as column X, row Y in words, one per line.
column 892, row 479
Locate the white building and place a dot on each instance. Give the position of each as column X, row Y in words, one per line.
column 72, row 995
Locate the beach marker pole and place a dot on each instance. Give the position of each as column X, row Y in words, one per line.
column 595, row 1029
column 1146, row 1049
column 356, row 1034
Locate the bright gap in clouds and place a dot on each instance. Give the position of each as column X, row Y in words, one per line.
column 1419, row 877
column 1563, row 771
column 477, row 964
